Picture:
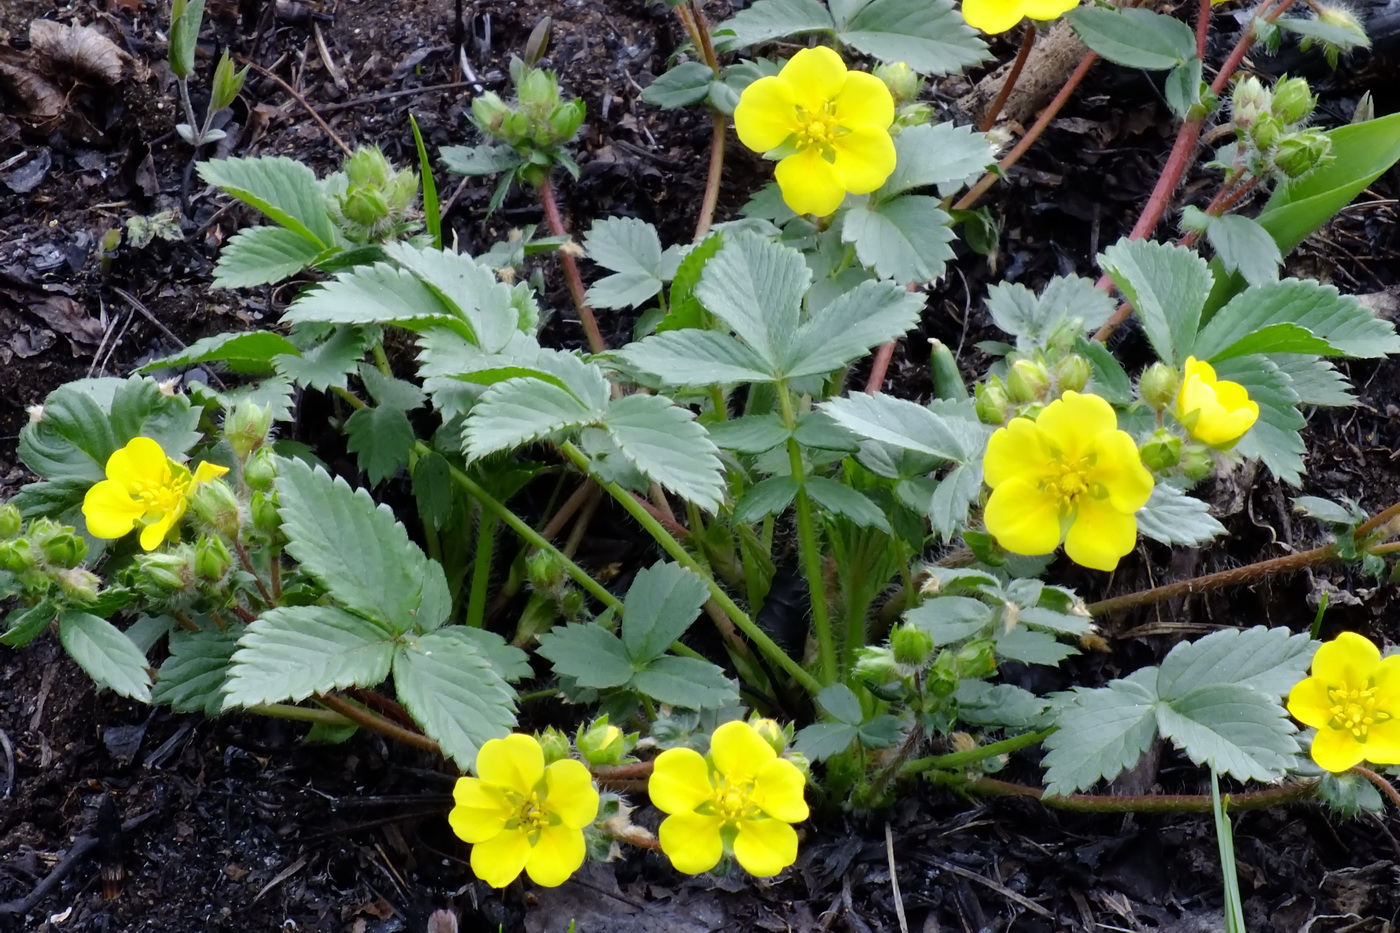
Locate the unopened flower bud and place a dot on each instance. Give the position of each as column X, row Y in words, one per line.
column 912, row 646
column 263, row 509
column 1027, row 381
column 1072, row 373
column 772, row 732
column 877, row 666
column 602, row 743
column 368, row 166
column 16, row 556
column 1250, row 101
column 212, row 560
column 489, row 112
column 1161, row 450
column 261, row 470
column 904, row 82
column 1293, row 101
column 993, row 405
column 1158, row 385
column 565, row 121
column 246, row 427
column 977, row 659
column 1266, row 132
column 801, row 763
column 1302, row 152
column 162, row 574
column 963, row 742
column 545, row 571
column 1196, row 462
column 60, row 545
column 1344, row 19
column 10, row 521
column 214, row 504
column 79, row 587
column 942, row 678
column 555, row 744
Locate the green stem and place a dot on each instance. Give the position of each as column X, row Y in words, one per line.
column 683, row 557
column 481, row 571
column 298, row 713
column 807, row 546
column 955, row 760
column 184, row 86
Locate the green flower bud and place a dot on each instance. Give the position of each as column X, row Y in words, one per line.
column 365, row 206
column 993, row 405
column 772, row 732
column 368, row 167
column 1028, row 381
column 60, row 545
column 800, row 761
column 1250, row 101
column 1302, row 152
column 16, row 556
column 1344, row 19
column 555, row 744
column 1072, row 373
column 1196, row 462
column 565, row 121
column 976, row 659
column 263, row 509
column 489, row 112
column 1293, row 101
column 212, row 560
column 162, row 574
column 214, row 504
column 904, row 82
column 246, row 427
column 545, row 571
column 942, row 679
column 877, row 665
column 10, row 521
column 260, row 470
column 79, row 587
column 572, row 604
column 1161, row 451
column 912, row 646
column 602, row 743
column 1266, row 132
column 1158, row 385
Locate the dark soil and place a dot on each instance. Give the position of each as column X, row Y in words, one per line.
column 236, row 824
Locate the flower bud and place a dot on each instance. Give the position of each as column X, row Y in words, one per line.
column 942, row 678
column 1293, row 101
column 876, row 665
column 1161, row 450
column 489, row 112
column 774, row 734
column 1344, row 19
column 1072, row 373
column 993, row 405
column 1027, row 381
column 904, row 82
column 963, row 742
column 10, row 521
column 602, row 743
column 263, row 509
column 1266, row 132
column 912, row 646
column 368, row 167
column 801, row 763
column 572, row 604
column 16, row 556
column 1250, row 101
column 545, row 572
column 214, row 504
column 60, row 545
column 162, row 574
column 260, row 470
column 976, row 659
column 556, row 745
column 565, row 121
column 212, row 560
column 1158, row 385
column 246, row 427
column 1302, row 152
column 1196, row 462
column 79, row 587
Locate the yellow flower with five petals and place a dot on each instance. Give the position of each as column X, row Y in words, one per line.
column 1070, row 475
column 1352, row 699
column 996, row 16
column 832, row 127
column 519, row 815
column 742, row 797
column 144, row 488
column 1214, row 411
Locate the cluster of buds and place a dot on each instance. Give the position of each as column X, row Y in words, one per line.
column 1271, row 131
column 905, row 86
column 378, row 200
column 1029, row 385
column 912, row 665
column 538, row 124
column 42, row 560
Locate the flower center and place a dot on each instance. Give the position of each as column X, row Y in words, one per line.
column 159, row 497
column 818, row 128
column 1067, row 482
column 1354, row 710
column 731, row 801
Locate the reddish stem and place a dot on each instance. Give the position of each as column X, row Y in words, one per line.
column 1202, row 27
column 1227, row 197
column 571, row 275
column 879, row 367
column 1009, row 85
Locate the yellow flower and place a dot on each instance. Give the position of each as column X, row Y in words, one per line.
column 143, row 488
column 1352, row 699
column 1069, row 476
column 831, row 125
column 994, row 16
column 518, row 814
column 742, row 797
column 1215, row 411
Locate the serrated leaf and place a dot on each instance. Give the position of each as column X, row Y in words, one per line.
column 1134, row 38
column 375, row 294
column 381, row 440
column 817, row 431
column 432, row 489
column 905, row 238
column 850, row 504
column 767, row 20
column 935, row 154
column 105, row 653
column 929, row 36
column 1031, row 647
column 1325, row 510
column 1100, row 733
column 24, row 625
column 756, row 286
column 1274, row 439
column 984, row 704
column 840, row 703
column 1245, row 247
column 1167, row 285
column 284, row 189
column 667, row 444
column 950, row 619
column 292, row 652
column 824, row 740
column 1107, row 378
column 689, row 683
column 685, row 310
column 191, row 680
column 494, row 313
column 1338, row 319
column 1270, row 660
column 72, row 440
column 1231, row 728
column 247, row 352
column 661, row 604
column 697, row 358
column 685, row 84
column 264, row 256
column 382, row 575
column 1061, row 623
column 326, row 364
column 487, row 159
column 953, row 497
column 1315, row 381
column 750, row 434
column 631, row 248
column 515, row 412
column 1172, row 517
column 899, row 422
column 768, row 497
column 590, row 654
column 510, row 662
column 881, row 731
column 454, row 693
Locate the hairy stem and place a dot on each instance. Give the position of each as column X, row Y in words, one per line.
column 1144, row 803
column 1384, row 786
column 1009, row 85
column 376, row 723
column 571, row 275
column 693, row 18
column 955, row 760
column 298, row 713
column 807, row 546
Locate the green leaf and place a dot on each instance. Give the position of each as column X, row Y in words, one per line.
column 185, row 20
column 191, row 680
column 935, row 154
column 631, row 248
column 1330, row 33
column 71, row 441
column 1004, row 705
column 1172, row 517
column 432, row 489
column 264, row 256
column 327, row 363
column 1036, row 320
column 590, row 654
column 905, row 239
column 881, row 731
column 840, row 703
column 1269, row 660
column 488, row 159
column 661, row 604
column 354, row 548
column 390, row 392
column 1031, row 647
column 689, row 683
column 381, row 439
column 1244, row 246
column 376, row 294
column 685, row 307
column 1316, row 381
column 817, row 431
column 750, row 434
column 687, row 83
column 767, row 497
column 1325, row 510
column 1183, row 87
column 102, row 650
column 843, row 330
column 283, row 189
column 1275, row 437
column 899, row 422
column 950, row 619
column 929, row 36
column 1134, row 38
column 756, row 286
column 840, row 499
column 247, row 352
column 453, row 692
column 1052, row 620
column 494, row 312
column 1278, row 338
column 292, row 652
column 767, row 20
column 824, row 740
column 1101, row 733
column 668, row 446
column 1168, row 285
column 518, row 411
column 696, row 358
column 1107, row 378
column 1232, row 729
column 509, row 661
column 952, row 498
column 1338, row 319
column 22, row 626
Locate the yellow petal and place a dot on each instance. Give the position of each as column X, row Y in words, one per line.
column 1336, row 750
column 570, row 794
column 680, row 781
column 778, row 791
column 815, row 76
column 765, row 847
column 1382, row 744
column 140, row 461
column 1385, row 678
column 556, row 855
column 692, row 841
column 515, row 762
column 1348, row 659
column 1309, row 703
column 481, row 810
column 992, row 16
column 1100, row 536
column 738, row 751
column 157, row 530
column 1022, row 518
column 1072, row 422
column 809, row 183
column 1047, row 9
column 864, row 158
column 1118, row 468
column 766, row 114
column 1019, row 449
column 208, row 471
column 864, row 100
column 498, row 861
column 110, row 511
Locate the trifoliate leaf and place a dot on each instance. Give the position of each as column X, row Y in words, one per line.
column 1101, row 733
column 292, row 652
column 935, row 154
column 1005, row 705
column 756, row 286
column 1233, row 729
column 1172, row 517
column 519, row 411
